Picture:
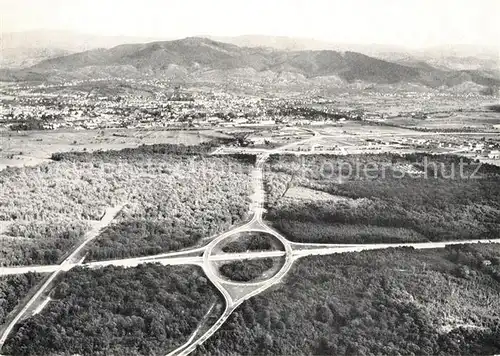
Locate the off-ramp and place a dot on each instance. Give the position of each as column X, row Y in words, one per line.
column 205, row 257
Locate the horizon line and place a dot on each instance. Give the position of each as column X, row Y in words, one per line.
column 219, row 38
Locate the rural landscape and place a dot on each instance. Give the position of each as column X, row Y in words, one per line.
column 247, row 195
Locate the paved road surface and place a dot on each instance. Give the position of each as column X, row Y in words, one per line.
column 67, row 263
column 327, row 249
column 292, row 252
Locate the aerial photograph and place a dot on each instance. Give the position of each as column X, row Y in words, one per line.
column 236, row 177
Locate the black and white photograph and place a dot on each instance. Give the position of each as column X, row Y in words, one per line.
column 254, row 178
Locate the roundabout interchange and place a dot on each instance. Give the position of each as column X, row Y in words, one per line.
column 207, row 257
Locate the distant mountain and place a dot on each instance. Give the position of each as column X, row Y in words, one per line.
column 24, row 49
column 277, row 42
column 452, row 57
column 488, row 62
column 27, row 57
column 463, row 51
column 200, row 54
column 194, row 58
column 65, row 40
column 304, row 44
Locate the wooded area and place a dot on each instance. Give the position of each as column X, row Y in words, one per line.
column 391, row 302
column 148, row 310
column 175, row 194
column 40, row 242
column 251, row 241
column 13, row 289
column 246, row 271
column 386, row 208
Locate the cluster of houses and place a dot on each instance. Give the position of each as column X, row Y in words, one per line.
column 87, row 110
column 482, row 149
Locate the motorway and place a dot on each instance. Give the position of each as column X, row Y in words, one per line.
column 293, row 251
column 298, row 250
column 65, row 265
column 205, row 258
column 134, row 262
column 326, row 249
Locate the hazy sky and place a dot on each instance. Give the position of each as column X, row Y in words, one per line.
column 412, row 23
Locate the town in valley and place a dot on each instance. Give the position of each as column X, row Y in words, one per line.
column 165, row 194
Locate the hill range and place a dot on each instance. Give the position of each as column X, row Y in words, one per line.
column 200, row 59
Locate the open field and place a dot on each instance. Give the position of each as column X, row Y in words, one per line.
column 311, row 194
column 250, row 195
column 35, row 147
column 175, row 196
column 351, row 129
column 277, row 137
column 355, row 137
column 454, row 120
column 393, row 102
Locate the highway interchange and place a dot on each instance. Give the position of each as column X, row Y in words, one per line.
column 234, row 293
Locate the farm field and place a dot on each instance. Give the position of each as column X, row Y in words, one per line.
column 392, row 103
column 312, row 180
column 35, row 147
column 453, row 120
column 350, row 129
column 278, row 137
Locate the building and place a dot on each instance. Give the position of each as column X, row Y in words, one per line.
column 494, row 154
